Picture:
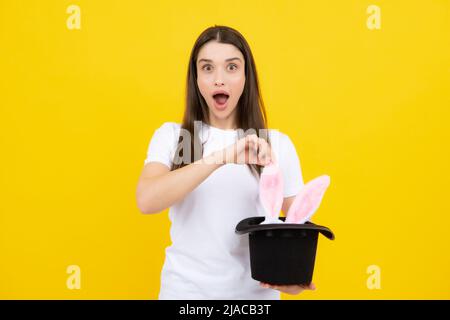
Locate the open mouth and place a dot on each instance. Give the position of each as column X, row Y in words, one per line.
column 221, row 98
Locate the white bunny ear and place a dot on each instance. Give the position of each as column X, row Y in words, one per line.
column 308, row 200
column 271, row 192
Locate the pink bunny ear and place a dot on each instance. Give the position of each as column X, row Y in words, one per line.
column 308, row 200
column 271, row 191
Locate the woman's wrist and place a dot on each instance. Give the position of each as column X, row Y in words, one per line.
column 216, row 158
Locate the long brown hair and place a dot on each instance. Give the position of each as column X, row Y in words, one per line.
column 251, row 113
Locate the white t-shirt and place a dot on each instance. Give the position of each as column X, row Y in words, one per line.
column 207, row 259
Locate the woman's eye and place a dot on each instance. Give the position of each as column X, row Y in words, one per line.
column 207, row 67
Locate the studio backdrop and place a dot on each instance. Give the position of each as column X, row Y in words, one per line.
column 360, row 87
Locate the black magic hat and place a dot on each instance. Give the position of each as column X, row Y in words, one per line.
column 282, row 253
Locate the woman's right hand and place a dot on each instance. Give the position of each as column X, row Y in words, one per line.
column 248, row 150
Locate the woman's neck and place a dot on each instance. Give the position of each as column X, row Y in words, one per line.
column 224, row 124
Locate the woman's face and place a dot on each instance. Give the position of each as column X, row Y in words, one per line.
column 221, row 68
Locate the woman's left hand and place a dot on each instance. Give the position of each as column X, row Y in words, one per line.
column 289, row 289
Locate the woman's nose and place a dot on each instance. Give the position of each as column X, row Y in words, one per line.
column 219, row 78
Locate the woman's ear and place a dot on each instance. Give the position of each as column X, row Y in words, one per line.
column 308, row 200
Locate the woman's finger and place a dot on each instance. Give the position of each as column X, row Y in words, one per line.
column 252, row 150
column 311, row 286
column 291, row 289
column 264, row 152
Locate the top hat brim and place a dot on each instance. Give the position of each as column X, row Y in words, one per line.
column 253, row 224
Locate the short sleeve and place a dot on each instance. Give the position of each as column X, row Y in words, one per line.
column 162, row 145
column 290, row 167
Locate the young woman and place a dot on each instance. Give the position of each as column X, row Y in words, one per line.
column 206, row 170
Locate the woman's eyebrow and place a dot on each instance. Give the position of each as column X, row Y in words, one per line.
column 209, row 60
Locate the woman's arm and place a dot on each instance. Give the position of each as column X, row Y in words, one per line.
column 159, row 188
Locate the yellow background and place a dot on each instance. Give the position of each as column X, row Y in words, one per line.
column 370, row 108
